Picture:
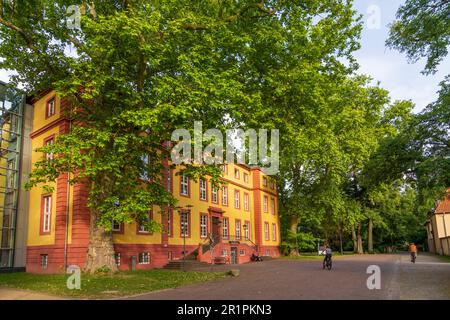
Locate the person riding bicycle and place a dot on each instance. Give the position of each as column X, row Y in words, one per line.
column 328, row 254
column 413, row 251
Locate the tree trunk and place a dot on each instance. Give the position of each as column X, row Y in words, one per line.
column 360, row 249
column 294, row 227
column 355, row 241
column 101, row 249
column 370, row 236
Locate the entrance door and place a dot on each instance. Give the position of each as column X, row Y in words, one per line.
column 215, row 229
column 233, row 255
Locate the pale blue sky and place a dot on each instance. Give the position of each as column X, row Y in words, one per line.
column 403, row 80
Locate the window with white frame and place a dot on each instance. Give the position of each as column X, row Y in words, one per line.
column 117, row 259
column 266, row 231
column 246, row 202
column 203, row 226
column 144, row 258
column 224, row 252
column 49, row 142
column 267, row 253
column 142, row 228
column 203, row 189
column 44, row 261
column 47, row 214
column 274, row 232
column 184, row 224
column 246, row 177
column 225, row 228
column 51, row 107
column 238, row 229
column 214, row 195
column 272, row 205
column 225, row 168
column 236, row 173
column 237, row 200
column 116, row 226
column 242, row 252
column 247, row 230
column 184, row 185
column 265, row 204
column 225, row 196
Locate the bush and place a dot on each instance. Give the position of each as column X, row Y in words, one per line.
column 103, row 270
column 304, row 241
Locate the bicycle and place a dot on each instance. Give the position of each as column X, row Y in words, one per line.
column 327, row 263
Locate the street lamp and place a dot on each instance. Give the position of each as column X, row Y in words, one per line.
column 184, row 211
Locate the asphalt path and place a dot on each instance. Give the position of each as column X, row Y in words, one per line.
column 283, row 279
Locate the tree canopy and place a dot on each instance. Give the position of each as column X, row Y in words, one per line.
column 421, row 30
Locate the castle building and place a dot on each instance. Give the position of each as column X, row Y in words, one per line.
column 214, row 226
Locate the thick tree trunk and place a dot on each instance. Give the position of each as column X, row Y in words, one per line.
column 355, row 241
column 360, row 249
column 370, row 236
column 101, row 249
column 294, row 227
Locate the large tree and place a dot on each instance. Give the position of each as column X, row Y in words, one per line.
column 422, row 30
column 136, row 70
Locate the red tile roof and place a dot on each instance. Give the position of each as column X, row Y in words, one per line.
column 444, row 205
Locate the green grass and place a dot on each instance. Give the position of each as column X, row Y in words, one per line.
column 444, row 258
column 94, row 286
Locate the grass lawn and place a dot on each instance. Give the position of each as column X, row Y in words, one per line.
column 104, row 286
column 444, row 258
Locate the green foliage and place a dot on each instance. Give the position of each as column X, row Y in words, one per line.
column 396, row 219
column 137, row 70
column 303, row 241
column 103, row 270
column 422, row 30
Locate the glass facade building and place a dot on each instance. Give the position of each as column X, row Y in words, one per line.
column 12, row 104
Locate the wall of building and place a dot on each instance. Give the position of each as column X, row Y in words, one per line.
column 129, row 242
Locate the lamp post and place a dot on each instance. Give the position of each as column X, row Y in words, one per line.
column 184, row 211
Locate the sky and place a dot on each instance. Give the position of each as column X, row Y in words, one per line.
column 403, row 80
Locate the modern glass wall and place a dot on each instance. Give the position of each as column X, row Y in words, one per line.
column 11, row 123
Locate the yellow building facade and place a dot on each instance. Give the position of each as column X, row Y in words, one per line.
column 215, row 226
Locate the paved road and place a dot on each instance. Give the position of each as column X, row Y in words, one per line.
column 284, row 279
column 18, row 294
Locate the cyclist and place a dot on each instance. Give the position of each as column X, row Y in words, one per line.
column 328, row 254
column 413, row 251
